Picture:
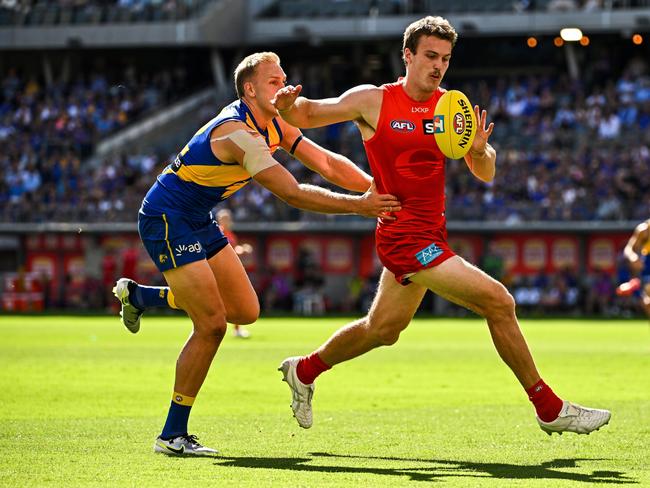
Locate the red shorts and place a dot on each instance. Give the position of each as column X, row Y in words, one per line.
column 404, row 255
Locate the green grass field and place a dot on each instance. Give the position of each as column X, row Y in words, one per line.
column 82, row 401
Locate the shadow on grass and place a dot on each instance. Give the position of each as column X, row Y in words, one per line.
column 433, row 469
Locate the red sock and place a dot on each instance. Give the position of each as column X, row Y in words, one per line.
column 547, row 404
column 310, row 367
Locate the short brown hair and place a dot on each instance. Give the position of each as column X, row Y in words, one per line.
column 246, row 69
column 428, row 26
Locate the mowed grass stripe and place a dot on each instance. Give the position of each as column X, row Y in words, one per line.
column 83, row 401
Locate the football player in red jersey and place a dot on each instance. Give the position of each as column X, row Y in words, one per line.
column 397, row 127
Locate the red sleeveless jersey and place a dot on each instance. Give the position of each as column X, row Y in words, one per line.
column 406, row 162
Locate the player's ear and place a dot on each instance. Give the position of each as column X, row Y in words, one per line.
column 249, row 89
column 407, row 55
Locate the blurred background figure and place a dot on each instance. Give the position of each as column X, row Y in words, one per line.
column 637, row 255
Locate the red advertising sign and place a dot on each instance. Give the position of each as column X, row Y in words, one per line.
column 339, row 255
column 279, row 253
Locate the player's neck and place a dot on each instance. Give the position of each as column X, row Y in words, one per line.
column 261, row 118
column 411, row 89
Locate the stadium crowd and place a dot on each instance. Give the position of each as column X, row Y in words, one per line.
column 567, row 150
column 33, row 12
column 46, row 131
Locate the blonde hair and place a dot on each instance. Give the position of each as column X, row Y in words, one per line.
column 428, row 26
column 246, row 69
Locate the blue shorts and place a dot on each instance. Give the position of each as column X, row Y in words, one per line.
column 173, row 240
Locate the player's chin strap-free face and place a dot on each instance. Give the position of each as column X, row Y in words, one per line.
column 257, row 155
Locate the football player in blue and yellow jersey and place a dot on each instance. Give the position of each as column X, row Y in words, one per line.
column 637, row 254
column 206, row 278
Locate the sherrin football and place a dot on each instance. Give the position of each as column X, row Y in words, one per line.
column 456, row 124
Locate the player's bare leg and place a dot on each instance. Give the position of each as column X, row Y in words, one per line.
column 240, row 299
column 459, row 282
column 466, row 285
column 235, row 288
column 391, row 311
column 197, row 293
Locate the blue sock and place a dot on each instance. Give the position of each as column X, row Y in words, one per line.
column 144, row 297
column 179, row 414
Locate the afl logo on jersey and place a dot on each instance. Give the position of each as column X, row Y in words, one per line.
column 459, row 123
column 402, row 125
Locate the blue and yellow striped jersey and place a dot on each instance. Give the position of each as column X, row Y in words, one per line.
column 197, row 181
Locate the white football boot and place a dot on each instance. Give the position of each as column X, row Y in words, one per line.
column 130, row 314
column 184, row 445
column 574, row 418
column 301, row 394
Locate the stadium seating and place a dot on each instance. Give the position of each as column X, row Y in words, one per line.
column 52, row 12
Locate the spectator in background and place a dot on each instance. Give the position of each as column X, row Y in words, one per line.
column 600, row 294
column 308, row 297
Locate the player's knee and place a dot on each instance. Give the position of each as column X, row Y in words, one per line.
column 387, row 333
column 213, row 325
column 500, row 302
column 246, row 315
column 388, row 337
column 253, row 312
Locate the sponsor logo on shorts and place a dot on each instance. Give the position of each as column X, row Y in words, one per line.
column 428, row 254
column 459, row 123
column 183, row 248
column 162, row 258
column 435, row 125
column 402, row 125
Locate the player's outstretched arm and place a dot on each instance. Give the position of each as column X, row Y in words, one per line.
column 235, row 142
column 314, row 198
column 334, row 167
column 358, row 103
column 481, row 158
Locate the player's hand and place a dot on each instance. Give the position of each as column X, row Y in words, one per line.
column 285, row 97
column 482, row 133
column 374, row 204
